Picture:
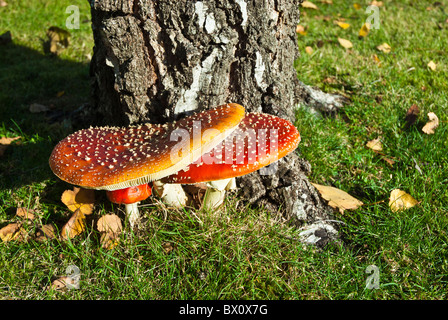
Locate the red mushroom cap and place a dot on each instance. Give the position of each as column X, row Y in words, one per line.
column 130, row 195
column 259, row 140
column 111, row 158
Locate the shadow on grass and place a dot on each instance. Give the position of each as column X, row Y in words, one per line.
column 28, row 76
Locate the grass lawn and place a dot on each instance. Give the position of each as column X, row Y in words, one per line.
column 243, row 252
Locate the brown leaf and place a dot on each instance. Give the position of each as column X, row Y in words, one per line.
column 110, row 226
column 25, row 213
column 167, row 246
column 5, row 142
column 79, row 198
column 412, row 115
column 309, row 50
column 375, row 144
column 13, row 231
column 45, row 232
column 301, row 30
column 62, row 283
column 75, row 226
column 309, row 5
column 400, row 200
column 58, row 39
column 432, row 124
column 337, row 198
column 7, row 232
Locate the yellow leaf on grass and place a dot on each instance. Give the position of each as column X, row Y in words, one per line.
column 13, row 231
column 5, row 142
column 375, row 144
column 75, row 226
column 337, row 198
column 309, row 50
column 79, row 198
column 343, row 25
column 25, row 213
column 384, row 47
column 376, row 3
column 432, row 65
column 309, row 5
column 357, row 6
column 400, row 200
column 432, row 124
column 58, row 39
column 376, row 59
column 301, row 30
column 110, row 227
column 364, row 31
column 345, row 43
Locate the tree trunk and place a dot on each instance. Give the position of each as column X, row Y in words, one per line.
column 158, row 60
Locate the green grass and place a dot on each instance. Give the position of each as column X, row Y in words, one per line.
column 243, row 252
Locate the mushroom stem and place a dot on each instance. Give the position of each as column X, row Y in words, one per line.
column 132, row 213
column 171, row 194
column 216, row 191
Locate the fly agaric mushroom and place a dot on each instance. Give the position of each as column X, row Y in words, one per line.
column 112, row 158
column 259, row 140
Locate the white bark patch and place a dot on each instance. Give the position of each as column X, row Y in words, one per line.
column 202, row 76
column 200, row 9
column 259, row 70
column 243, row 8
column 210, row 24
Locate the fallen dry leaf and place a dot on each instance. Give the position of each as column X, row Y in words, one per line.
column 309, row 50
column 8, row 232
column 345, row 43
column 110, row 227
column 309, row 5
column 337, row 198
column 432, row 124
column 364, row 31
column 412, row 115
column 47, row 231
column 3, row 3
column 376, row 3
column 58, row 39
column 63, row 283
column 301, row 30
column 75, row 226
column 384, row 47
column 376, row 59
column 375, row 144
column 37, row 108
column 168, row 247
column 5, row 142
column 25, row 213
column 400, row 200
column 432, row 65
column 79, row 198
column 13, row 231
column 343, row 25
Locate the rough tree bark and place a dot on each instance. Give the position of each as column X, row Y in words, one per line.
column 157, row 60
